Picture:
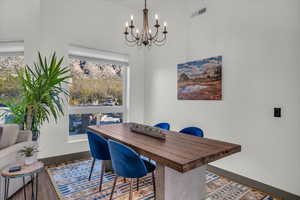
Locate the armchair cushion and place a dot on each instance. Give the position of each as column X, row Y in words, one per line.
column 9, row 135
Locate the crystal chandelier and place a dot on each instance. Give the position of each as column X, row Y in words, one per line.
column 145, row 37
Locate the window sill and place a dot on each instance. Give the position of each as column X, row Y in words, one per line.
column 77, row 139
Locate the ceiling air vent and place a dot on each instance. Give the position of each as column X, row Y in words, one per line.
column 198, row 12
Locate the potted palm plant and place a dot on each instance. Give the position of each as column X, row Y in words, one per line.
column 43, row 91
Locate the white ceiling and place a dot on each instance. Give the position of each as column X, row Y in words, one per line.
column 132, row 3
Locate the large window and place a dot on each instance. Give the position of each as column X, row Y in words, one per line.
column 9, row 84
column 11, row 60
column 95, row 84
column 79, row 122
column 98, row 89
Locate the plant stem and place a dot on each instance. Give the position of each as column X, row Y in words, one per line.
column 29, row 117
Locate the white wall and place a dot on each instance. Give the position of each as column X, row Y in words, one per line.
column 51, row 25
column 19, row 20
column 260, row 44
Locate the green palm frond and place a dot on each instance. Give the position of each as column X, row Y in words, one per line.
column 16, row 109
column 43, row 90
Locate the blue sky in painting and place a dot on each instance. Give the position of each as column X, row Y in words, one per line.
column 199, row 63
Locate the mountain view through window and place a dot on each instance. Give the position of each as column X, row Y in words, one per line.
column 97, row 85
column 9, row 84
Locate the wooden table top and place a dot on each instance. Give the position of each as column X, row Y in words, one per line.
column 181, row 152
column 25, row 170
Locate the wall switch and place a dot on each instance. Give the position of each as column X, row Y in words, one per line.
column 277, row 112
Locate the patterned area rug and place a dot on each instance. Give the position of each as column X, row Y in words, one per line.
column 71, row 183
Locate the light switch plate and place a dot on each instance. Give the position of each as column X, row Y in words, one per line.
column 277, row 112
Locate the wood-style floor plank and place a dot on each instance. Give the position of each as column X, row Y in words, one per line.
column 45, row 192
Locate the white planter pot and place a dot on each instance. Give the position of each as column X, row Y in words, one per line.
column 30, row 160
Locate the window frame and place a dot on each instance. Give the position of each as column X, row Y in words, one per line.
column 100, row 56
column 12, row 48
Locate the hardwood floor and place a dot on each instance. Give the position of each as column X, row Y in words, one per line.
column 46, row 190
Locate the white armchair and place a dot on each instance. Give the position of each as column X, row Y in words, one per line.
column 9, row 155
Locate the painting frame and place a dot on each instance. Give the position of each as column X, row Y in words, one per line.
column 200, row 79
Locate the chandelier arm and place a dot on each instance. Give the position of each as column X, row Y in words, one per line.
column 156, row 38
column 128, row 40
column 139, row 43
column 130, row 44
column 162, row 40
column 161, row 43
column 155, row 35
column 135, row 36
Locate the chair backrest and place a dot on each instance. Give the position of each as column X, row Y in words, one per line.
column 164, row 125
column 98, row 146
column 193, row 131
column 125, row 161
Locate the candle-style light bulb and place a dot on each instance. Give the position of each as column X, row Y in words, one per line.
column 126, row 28
column 150, row 31
column 137, row 31
column 156, row 21
column 165, row 28
column 131, row 21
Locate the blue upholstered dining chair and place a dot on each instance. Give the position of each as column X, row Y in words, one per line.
column 99, row 150
column 193, row 131
column 164, row 125
column 128, row 164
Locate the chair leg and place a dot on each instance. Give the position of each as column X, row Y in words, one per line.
column 101, row 176
column 92, row 167
column 113, row 188
column 130, row 189
column 154, row 186
column 137, row 184
column 24, row 187
column 124, row 180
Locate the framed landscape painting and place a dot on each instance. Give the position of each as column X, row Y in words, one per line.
column 200, row 80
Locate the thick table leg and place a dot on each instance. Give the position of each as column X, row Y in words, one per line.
column 173, row 185
column 160, row 182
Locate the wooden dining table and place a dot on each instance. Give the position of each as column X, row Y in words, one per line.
column 181, row 159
